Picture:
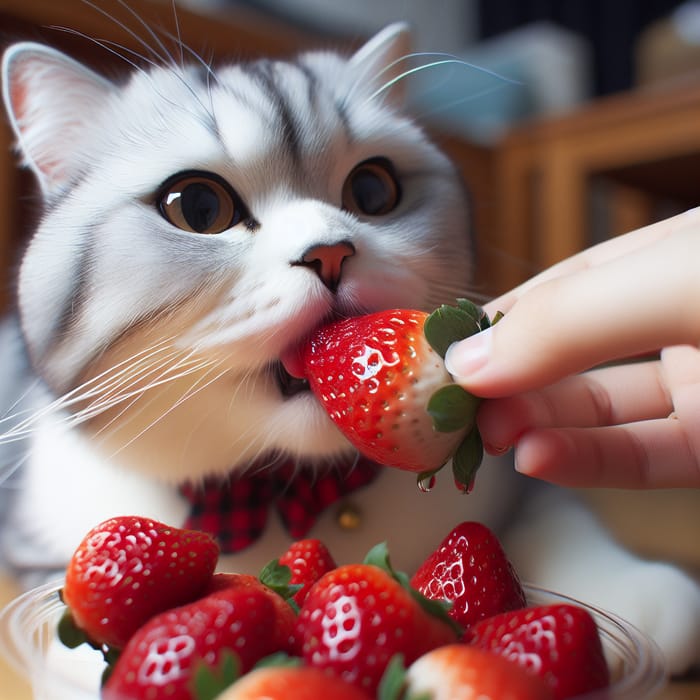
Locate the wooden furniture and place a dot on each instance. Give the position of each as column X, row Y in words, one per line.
column 615, row 165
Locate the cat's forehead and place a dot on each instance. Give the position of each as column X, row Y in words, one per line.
column 300, row 117
column 289, row 107
column 303, row 106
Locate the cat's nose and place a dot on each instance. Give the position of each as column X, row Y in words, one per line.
column 327, row 261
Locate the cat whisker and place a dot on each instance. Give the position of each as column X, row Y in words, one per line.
column 178, row 34
column 192, row 391
column 194, row 367
column 111, row 47
column 129, row 392
column 206, row 65
column 119, row 50
column 114, row 48
column 258, row 467
column 25, row 427
column 7, row 472
column 96, row 386
column 164, row 57
column 129, row 376
column 443, row 59
column 210, row 76
column 11, row 414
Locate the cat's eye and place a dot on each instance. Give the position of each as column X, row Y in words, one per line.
column 372, row 188
column 200, row 203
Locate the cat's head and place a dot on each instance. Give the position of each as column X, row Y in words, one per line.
column 200, row 221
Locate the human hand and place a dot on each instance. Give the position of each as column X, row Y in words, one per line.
column 634, row 424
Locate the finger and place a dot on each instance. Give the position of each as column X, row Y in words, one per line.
column 599, row 254
column 681, row 370
column 609, row 396
column 645, row 455
column 566, row 325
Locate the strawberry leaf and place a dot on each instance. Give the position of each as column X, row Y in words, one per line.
column 278, row 577
column 379, row 556
column 111, row 656
column 452, row 408
column 475, row 311
column 467, row 460
column 279, row 659
column 435, row 608
column 393, row 682
column 209, row 682
column 447, row 325
column 69, row 634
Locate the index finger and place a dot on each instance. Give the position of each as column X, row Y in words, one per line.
column 629, row 304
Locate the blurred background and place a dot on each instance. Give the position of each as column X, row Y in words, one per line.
column 558, row 53
column 570, row 121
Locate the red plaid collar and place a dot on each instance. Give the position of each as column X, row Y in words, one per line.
column 235, row 509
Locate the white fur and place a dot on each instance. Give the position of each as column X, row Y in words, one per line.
column 155, row 342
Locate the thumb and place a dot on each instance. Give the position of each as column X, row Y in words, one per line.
column 507, row 358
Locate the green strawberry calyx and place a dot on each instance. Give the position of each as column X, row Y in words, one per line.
column 72, row 636
column 278, row 577
column 379, row 556
column 451, row 407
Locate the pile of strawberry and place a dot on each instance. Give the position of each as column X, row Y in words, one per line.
column 146, row 596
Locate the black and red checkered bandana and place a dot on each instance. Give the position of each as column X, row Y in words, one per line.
column 235, row 509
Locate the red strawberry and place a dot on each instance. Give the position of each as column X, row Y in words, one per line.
column 560, row 643
column 285, row 616
column 358, row 616
column 308, row 560
column 162, row 658
column 470, row 569
column 127, row 569
column 291, row 683
column 468, row 673
column 383, row 382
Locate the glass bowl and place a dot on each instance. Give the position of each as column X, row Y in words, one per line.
column 637, row 666
column 27, row 638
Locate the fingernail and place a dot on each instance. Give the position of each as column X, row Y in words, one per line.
column 495, row 450
column 467, row 356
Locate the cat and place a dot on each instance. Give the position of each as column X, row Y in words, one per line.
column 198, row 222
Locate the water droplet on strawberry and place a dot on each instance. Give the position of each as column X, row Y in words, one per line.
column 427, row 483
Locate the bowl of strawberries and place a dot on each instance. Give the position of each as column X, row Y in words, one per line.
column 141, row 613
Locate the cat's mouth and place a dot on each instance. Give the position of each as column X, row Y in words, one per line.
column 287, row 384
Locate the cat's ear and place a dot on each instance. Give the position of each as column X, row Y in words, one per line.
column 51, row 101
column 379, row 64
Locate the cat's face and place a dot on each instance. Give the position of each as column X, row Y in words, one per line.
column 200, row 223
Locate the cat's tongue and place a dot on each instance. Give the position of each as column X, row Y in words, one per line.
column 291, row 360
